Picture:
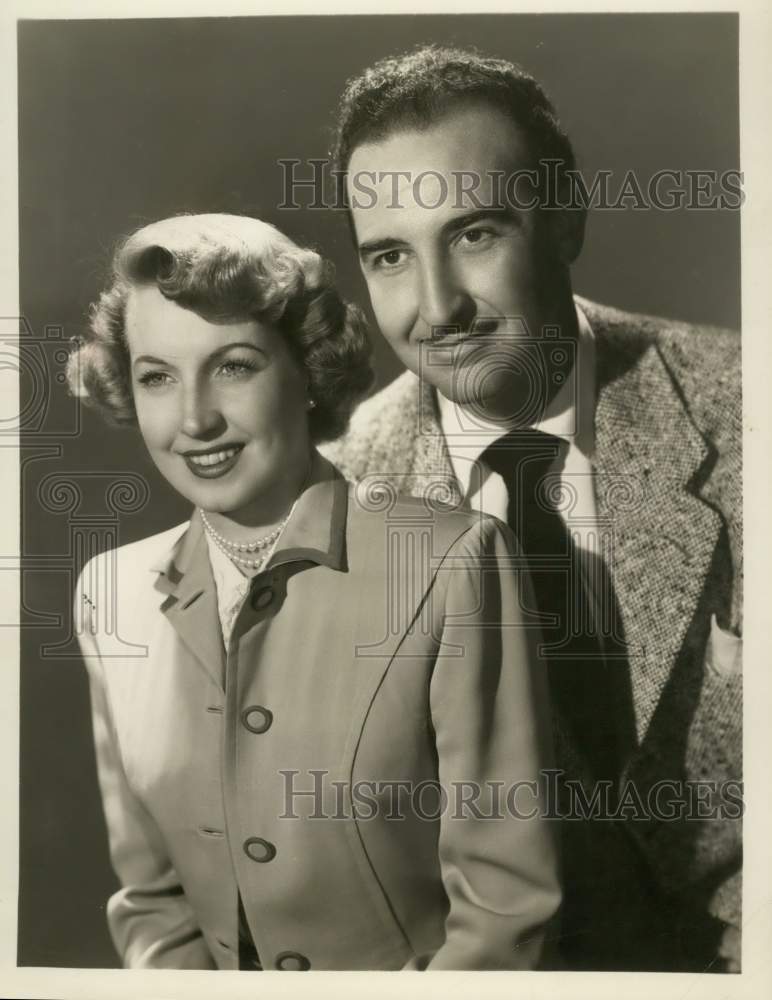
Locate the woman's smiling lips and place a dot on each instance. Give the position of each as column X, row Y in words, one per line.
column 211, row 464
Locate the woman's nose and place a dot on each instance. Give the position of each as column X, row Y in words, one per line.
column 446, row 306
column 200, row 414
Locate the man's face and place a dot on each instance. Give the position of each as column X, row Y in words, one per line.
column 459, row 291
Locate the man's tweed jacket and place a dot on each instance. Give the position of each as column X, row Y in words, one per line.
column 650, row 893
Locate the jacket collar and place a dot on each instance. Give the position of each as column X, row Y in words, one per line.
column 315, row 533
column 185, row 577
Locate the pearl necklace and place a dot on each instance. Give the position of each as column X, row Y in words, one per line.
column 231, row 549
column 266, row 544
column 247, row 563
column 258, row 543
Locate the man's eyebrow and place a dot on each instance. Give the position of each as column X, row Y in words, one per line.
column 386, row 243
column 151, row 360
column 478, row 215
column 370, row 247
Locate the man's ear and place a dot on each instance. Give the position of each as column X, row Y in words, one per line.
column 568, row 226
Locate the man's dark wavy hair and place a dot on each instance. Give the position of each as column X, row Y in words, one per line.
column 415, row 90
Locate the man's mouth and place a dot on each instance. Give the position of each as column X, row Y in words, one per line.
column 449, row 335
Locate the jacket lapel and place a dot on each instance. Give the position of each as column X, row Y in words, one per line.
column 649, row 462
column 432, row 470
column 185, row 576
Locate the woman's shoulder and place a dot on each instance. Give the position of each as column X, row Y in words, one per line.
column 119, row 581
column 152, row 546
column 139, row 558
column 449, row 524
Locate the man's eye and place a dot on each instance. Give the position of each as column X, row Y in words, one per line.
column 391, row 258
column 473, row 237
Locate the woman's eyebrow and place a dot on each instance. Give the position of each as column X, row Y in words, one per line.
column 149, row 359
column 236, row 343
column 152, row 360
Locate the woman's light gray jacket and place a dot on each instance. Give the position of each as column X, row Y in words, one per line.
column 340, row 764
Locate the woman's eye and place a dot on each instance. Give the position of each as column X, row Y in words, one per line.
column 153, row 380
column 235, row 368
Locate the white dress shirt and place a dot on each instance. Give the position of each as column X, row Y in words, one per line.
column 232, row 586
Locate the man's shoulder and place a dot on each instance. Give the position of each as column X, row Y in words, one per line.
column 382, row 427
column 703, row 361
column 692, row 343
column 374, row 502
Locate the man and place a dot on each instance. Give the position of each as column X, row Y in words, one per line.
column 446, row 159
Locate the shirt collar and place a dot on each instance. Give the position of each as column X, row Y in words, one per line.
column 227, row 576
column 570, row 415
column 316, row 532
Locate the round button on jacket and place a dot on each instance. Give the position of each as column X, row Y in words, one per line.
column 262, row 598
column 259, row 850
column 256, row 719
column 292, row 961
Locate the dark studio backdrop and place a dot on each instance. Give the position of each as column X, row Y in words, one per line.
column 122, row 122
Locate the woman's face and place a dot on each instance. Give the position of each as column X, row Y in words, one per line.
column 222, row 407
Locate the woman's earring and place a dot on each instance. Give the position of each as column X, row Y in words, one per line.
column 310, row 404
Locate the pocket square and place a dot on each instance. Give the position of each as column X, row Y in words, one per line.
column 723, row 655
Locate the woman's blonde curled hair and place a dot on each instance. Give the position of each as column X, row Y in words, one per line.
column 229, row 267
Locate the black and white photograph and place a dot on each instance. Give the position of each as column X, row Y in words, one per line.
column 385, row 417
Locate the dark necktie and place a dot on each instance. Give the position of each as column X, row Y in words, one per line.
column 578, row 680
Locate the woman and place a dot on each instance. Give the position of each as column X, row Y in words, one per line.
column 317, row 669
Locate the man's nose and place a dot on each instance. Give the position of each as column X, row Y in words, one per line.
column 200, row 413
column 445, row 306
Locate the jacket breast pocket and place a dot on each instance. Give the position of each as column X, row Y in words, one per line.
column 723, row 654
